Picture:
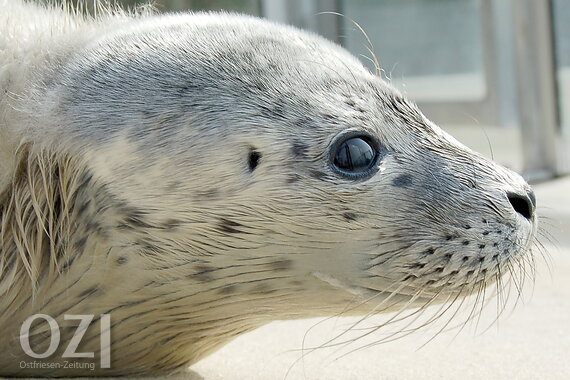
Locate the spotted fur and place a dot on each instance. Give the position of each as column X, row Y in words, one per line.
column 174, row 172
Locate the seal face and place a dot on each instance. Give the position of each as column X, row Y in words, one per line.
column 195, row 176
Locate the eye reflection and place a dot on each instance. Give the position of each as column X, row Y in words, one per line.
column 354, row 155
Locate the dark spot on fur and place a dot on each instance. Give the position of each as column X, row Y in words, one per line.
column 465, row 258
column 350, row 216
column 80, row 244
column 253, row 159
column 448, row 256
column 465, row 242
column 166, row 340
column 410, row 277
column 281, row 265
column 89, row 292
column 429, row 251
column 495, row 244
column 299, row 149
column 228, row 289
column 262, row 289
column 260, row 86
column 317, row 174
column 293, row 178
column 307, row 122
column 362, row 117
column 481, row 259
column 481, row 246
column 229, row 226
column 124, row 226
column 470, row 273
column 193, row 88
column 203, row 273
column 230, row 222
column 438, row 270
column 350, row 102
column 455, row 272
column 65, row 267
column 148, row 248
column 495, row 256
column 122, row 260
column 84, row 206
column 136, row 220
column 485, row 233
column 448, row 237
column 92, row 226
column 467, row 227
column 96, row 228
column 404, row 180
column 171, row 224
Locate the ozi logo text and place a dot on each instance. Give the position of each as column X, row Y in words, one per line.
column 71, row 347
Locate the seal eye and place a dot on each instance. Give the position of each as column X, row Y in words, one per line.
column 354, row 155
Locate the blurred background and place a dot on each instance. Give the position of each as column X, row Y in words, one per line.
column 494, row 73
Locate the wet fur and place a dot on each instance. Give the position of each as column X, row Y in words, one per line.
column 181, row 185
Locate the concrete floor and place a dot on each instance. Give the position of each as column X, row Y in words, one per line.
column 531, row 342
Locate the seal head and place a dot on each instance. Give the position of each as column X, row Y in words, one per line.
column 209, row 173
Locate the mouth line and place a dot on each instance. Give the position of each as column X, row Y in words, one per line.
column 369, row 294
column 396, row 299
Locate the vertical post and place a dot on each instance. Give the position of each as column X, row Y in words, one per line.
column 275, row 10
column 536, row 85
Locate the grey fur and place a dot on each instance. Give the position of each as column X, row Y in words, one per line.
column 151, row 122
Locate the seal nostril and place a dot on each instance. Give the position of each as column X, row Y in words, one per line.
column 522, row 204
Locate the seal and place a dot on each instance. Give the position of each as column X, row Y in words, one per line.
column 173, row 181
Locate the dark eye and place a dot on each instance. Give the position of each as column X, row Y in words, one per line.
column 354, row 155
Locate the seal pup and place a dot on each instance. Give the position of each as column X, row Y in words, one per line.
column 195, row 176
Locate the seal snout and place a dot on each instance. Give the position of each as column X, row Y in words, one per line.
column 523, row 204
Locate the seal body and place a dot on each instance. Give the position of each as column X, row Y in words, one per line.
column 195, row 176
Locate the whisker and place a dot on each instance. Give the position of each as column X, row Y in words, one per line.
column 370, row 46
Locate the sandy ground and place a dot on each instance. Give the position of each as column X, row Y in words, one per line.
column 530, row 342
